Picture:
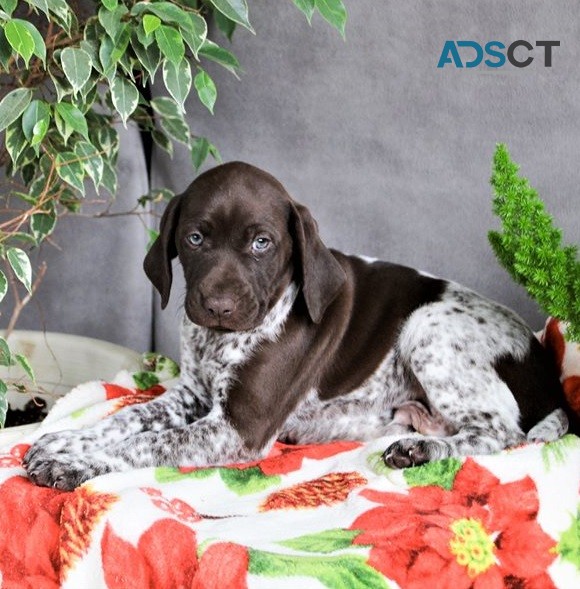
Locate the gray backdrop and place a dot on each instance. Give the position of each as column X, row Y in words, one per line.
column 391, row 154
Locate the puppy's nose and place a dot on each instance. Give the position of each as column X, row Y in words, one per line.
column 220, row 307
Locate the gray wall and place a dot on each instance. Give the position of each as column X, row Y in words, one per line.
column 391, row 154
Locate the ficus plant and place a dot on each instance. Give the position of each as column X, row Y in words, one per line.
column 70, row 74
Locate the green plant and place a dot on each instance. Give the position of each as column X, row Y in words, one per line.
column 69, row 74
column 530, row 246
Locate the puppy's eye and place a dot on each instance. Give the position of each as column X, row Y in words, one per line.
column 261, row 244
column 195, row 239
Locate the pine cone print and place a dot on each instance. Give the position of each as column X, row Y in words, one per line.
column 79, row 517
column 327, row 490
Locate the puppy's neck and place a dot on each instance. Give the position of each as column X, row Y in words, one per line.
column 274, row 321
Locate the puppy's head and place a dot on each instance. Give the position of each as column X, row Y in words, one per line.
column 241, row 240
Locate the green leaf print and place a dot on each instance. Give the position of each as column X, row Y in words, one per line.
column 569, row 546
column 171, row 474
column 145, row 380
column 242, row 481
column 441, row 473
column 245, row 481
column 345, row 571
column 323, row 542
column 554, row 453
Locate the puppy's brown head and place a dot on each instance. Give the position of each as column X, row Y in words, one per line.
column 241, row 240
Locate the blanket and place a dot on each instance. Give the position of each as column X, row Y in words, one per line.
column 316, row 516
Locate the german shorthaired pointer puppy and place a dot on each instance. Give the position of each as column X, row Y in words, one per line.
column 285, row 339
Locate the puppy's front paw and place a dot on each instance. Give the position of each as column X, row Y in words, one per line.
column 62, row 460
column 59, row 443
column 410, row 452
column 64, row 473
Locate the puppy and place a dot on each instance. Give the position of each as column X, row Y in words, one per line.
column 285, row 339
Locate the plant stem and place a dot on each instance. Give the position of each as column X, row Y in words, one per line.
column 19, row 303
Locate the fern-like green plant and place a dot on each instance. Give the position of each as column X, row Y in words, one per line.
column 530, row 246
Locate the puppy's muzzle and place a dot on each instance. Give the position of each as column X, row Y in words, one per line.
column 220, row 307
column 234, row 309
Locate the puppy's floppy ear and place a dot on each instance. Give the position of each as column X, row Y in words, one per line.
column 157, row 263
column 322, row 275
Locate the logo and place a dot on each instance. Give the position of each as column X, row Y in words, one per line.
column 519, row 53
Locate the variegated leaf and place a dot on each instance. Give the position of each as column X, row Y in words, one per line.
column 236, row 10
column 170, row 43
column 69, row 168
column 77, row 65
column 20, row 263
column 20, row 39
column 90, row 160
column 13, row 105
column 3, row 285
column 177, row 78
column 206, row 89
column 42, row 225
column 125, row 97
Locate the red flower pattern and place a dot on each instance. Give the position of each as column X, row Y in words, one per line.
column 14, row 457
column 29, row 534
column 165, row 557
column 114, row 391
column 285, row 458
column 479, row 535
column 223, row 566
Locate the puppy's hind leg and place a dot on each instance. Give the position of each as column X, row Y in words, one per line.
column 476, row 406
column 444, row 350
column 475, row 411
column 483, row 433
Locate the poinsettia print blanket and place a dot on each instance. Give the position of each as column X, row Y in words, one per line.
column 317, row 516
